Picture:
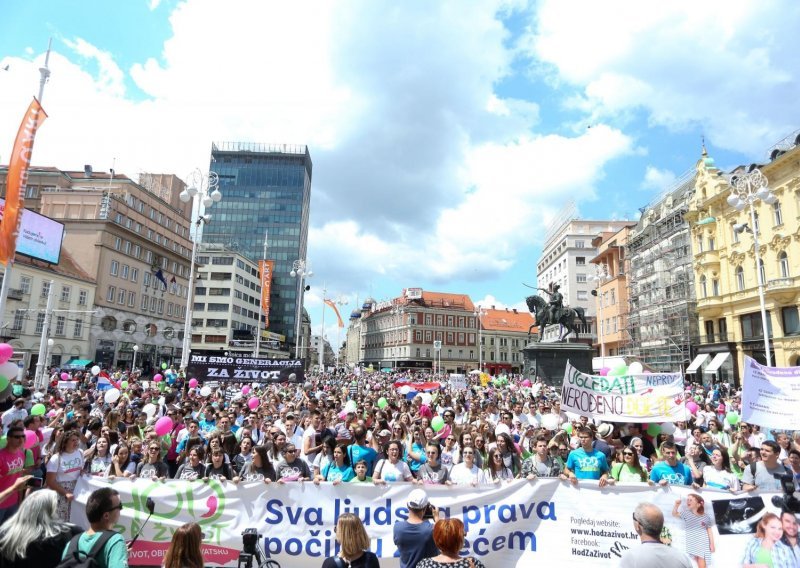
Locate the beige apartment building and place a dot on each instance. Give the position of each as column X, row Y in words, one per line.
column 133, row 239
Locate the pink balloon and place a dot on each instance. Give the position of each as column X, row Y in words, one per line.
column 6, row 351
column 193, row 383
column 30, row 439
column 692, row 406
column 604, row 372
column 157, row 378
column 163, row 425
column 245, row 389
column 64, row 376
column 526, row 383
column 253, row 403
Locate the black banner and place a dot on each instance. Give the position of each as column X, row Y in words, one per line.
column 245, row 369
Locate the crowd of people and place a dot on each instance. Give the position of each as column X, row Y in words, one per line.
column 368, row 428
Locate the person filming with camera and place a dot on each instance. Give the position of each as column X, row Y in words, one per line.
column 414, row 537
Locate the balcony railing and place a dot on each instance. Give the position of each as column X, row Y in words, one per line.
column 780, row 283
column 14, row 294
column 716, row 338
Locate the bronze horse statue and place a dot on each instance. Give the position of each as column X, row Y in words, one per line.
column 540, row 309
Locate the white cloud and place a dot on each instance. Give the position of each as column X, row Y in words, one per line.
column 723, row 68
column 658, row 180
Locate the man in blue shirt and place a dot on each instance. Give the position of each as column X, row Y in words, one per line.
column 585, row 462
column 670, row 471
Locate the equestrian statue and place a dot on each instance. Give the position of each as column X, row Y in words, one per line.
column 553, row 311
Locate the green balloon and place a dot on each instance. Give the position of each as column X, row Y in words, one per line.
column 437, row 423
column 382, row 403
column 3, row 442
column 567, row 427
column 38, row 409
column 4, row 382
column 163, row 366
column 732, row 418
column 124, row 384
column 653, row 429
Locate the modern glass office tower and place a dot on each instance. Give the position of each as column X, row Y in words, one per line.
column 266, row 191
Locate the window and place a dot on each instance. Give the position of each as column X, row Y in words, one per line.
column 25, row 284
column 124, row 273
column 78, row 328
column 580, row 278
column 582, row 295
column 703, row 286
column 134, row 274
column 776, row 211
column 161, row 306
column 761, row 273
column 580, row 244
column 61, row 323
column 127, row 247
column 45, row 289
column 735, row 235
column 715, row 287
column 791, row 321
column 131, row 299
column 114, row 268
column 699, row 243
column 783, row 262
column 739, row 278
column 580, row 261
column 137, row 251
column 117, row 243
column 112, row 291
column 82, row 297
column 148, row 256
column 39, row 324
column 145, row 299
column 146, row 278
column 121, row 296
column 613, row 297
column 752, row 327
column 711, row 243
column 66, row 292
column 169, row 308
column 19, row 317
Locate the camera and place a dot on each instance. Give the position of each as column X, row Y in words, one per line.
column 787, row 501
column 35, row 482
column 428, row 514
column 250, row 538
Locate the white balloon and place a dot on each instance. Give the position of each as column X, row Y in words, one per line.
column 550, row 421
column 112, row 395
column 145, row 385
column 9, row 370
column 427, row 398
column 161, row 400
column 254, row 385
column 96, row 370
column 149, row 409
column 205, row 391
column 635, row 368
column 404, row 389
column 668, row 428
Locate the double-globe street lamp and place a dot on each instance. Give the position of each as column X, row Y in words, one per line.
column 600, row 275
column 202, row 190
column 746, row 190
column 479, row 313
column 300, row 270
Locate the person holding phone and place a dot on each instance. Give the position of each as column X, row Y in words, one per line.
column 12, row 464
column 414, row 536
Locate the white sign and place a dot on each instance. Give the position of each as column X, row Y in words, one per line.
column 653, row 397
column 521, row 523
column 458, row 382
column 437, row 345
column 771, row 395
column 68, row 385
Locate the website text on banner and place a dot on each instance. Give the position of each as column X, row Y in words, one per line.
column 511, row 524
column 245, row 369
column 771, row 395
column 652, row 397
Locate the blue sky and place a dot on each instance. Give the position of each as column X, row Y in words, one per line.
column 440, row 131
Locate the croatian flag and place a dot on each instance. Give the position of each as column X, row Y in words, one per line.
column 103, row 381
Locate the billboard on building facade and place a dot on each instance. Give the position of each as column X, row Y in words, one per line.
column 39, row 236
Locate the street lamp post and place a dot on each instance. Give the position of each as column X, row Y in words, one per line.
column 746, row 190
column 300, row 270
column 202, row 189
column 397, row 315
column 600, row 276
column 133, row 364
column 479, row 313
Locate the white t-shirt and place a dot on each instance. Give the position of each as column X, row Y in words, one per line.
column 390, row 472
column 67, row 467
column 462, row 475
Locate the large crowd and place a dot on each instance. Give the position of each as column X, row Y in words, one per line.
column 369, row 428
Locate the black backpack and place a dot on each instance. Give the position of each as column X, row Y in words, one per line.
column 74, row 558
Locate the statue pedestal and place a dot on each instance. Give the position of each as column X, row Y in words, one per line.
column 548, row 361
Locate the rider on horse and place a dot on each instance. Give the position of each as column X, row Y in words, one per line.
column 556, row 302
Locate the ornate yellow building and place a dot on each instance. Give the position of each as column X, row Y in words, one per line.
column 725, row 261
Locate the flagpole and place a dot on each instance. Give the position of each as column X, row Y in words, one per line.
column 45, row 75
column 261, row 303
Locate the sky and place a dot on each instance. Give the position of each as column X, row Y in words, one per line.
column 445, row 135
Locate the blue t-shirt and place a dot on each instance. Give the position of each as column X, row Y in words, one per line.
column 332, row 472
column 357, row 453
column 587, row 465
column 679, row 474
column 414, row 542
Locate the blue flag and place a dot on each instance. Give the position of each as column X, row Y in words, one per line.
column 160, row 276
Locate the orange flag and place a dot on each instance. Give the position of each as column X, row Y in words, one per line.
column 266, row 267
column 17, row 179
column 333, row 305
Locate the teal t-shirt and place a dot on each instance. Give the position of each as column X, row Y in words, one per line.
column 113, row 555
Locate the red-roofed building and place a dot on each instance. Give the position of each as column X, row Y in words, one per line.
column 504, row 335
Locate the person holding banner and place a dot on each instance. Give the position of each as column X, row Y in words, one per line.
column 630, row 470
column 585, row 462
column 671, row 471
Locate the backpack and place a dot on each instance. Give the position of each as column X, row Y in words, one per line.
column 74, row 558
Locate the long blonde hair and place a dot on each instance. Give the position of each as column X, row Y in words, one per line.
column 351, row 535
column 184, row 550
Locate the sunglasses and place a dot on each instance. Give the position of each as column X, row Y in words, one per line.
column 112, row 509
column 627, row 453
column 290, row 451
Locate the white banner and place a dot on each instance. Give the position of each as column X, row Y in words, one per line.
column 651, row 397
column 771, row 395
column 510, row 524
column 458, row 381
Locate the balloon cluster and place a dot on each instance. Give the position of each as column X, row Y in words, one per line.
column 8, row 370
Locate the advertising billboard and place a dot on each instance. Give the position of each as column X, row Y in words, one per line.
column 39, row 236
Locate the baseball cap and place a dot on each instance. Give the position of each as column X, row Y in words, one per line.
column 383, row 433
column 417, row 499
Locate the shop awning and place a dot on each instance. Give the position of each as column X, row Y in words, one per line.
column 716, row 362
column 77, row 364
column 699, row 360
